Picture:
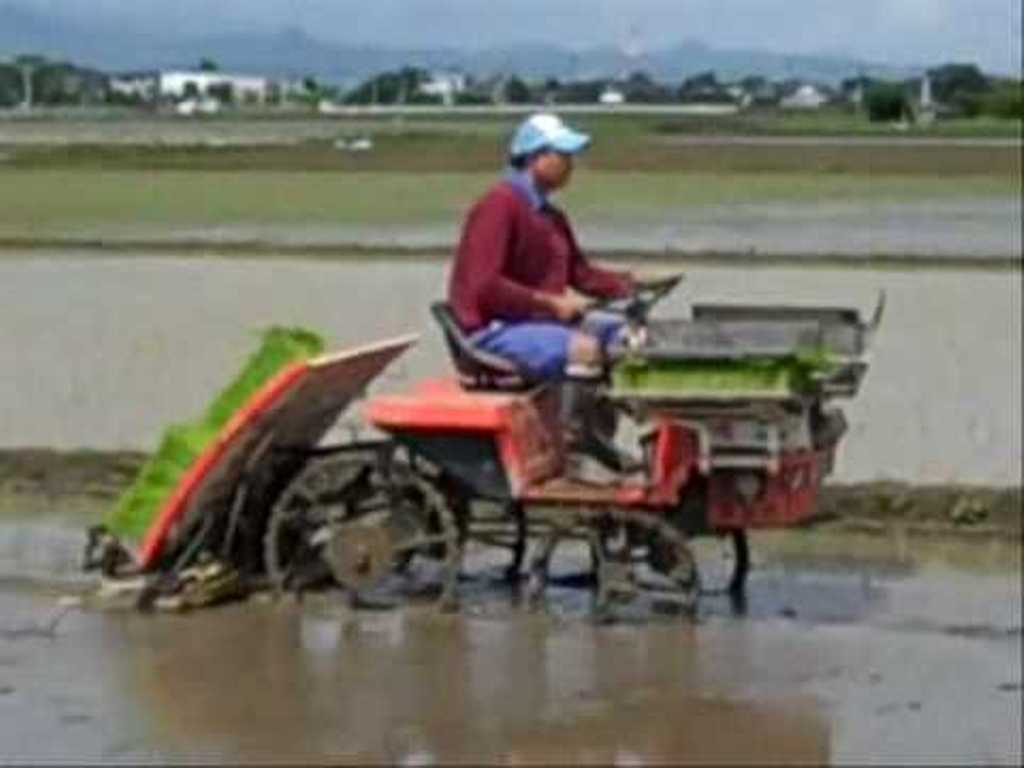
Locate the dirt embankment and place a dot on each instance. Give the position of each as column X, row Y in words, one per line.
column 430, row 151
column 878, row 507
column 46, row 473
column 30, row 478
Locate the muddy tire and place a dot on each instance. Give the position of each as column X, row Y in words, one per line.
column 639, row 557
column 327, row 486
column 363, row 525
column 741, row 563
column 723, row 556
column 724, row 562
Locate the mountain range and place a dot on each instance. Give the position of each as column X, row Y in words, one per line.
column 293, row 52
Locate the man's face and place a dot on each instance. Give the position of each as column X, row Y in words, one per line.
column 551, row 170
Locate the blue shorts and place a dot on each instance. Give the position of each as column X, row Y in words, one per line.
column 542, row 347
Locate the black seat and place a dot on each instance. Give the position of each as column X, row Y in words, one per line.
column 476, row 368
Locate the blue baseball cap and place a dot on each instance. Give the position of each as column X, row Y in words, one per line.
column 546, row 131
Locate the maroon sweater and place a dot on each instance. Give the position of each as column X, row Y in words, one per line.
column 510, row 254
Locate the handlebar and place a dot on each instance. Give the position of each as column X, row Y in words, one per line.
column 646, row 294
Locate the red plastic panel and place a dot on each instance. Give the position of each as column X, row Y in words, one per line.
column 787, row 497
column 676, row 456
column 531, row 443
column 525, row 425
column 295, row 408
column 173, row 508
column 443, row 404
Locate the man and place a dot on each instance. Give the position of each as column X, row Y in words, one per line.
column 518, row 274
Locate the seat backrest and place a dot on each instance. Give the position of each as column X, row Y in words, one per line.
column 476, row 368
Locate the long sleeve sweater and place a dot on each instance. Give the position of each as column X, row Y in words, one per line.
column 512, row 253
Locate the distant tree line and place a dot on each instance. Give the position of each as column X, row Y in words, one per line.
column 50, row 82
column 403, row 87
column 957, row 90
column 399, row 87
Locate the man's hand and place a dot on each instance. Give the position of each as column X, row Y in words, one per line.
column 568, row 307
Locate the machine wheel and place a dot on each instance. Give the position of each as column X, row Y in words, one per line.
column 376, row 555
column 518, row 515
column 638, row 556
column 326, row 487
column 741, row 564
column 724, row 561
column 723, row 556
column 363, row 525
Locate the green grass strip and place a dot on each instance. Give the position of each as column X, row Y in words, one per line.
column 182, row 444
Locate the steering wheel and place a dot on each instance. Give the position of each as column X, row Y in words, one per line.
column 646, row 293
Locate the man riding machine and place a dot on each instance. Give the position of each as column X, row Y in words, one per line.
column 729, row 406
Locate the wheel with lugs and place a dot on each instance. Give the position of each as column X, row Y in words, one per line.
column 366, row 526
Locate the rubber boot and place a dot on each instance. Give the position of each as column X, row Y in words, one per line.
column 589, row 425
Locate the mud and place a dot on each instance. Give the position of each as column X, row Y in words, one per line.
column 854, row 645
column 280, row 683
column 39, row 481
column 881, row 655
column 56, row 474
column 879, row 507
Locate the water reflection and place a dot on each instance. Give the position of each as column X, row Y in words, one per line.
column 289, row 683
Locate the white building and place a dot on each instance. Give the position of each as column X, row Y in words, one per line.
column 203, row 106
column 135, row 85
column 446, row 85
column 805, row 97
column 242, row 89
column 612, row 97
column 740, row 95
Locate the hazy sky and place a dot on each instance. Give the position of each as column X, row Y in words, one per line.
column 886, row 31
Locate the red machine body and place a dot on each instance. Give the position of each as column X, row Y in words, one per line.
column 506, row 445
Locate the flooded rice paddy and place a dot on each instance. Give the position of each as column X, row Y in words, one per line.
column 852, row 649
column 886, row 655
column 849, row 649
column 102, row 353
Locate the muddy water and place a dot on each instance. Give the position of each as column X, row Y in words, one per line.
column 102, row 353
column 879, row 657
